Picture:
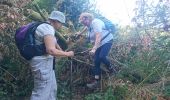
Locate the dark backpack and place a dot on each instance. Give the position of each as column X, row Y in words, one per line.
column 25, row 41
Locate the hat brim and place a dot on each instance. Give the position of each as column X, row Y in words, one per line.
column 56, row 19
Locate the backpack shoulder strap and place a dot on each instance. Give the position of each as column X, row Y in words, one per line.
column 30, row 35
column 34, row 26
column 105, row 36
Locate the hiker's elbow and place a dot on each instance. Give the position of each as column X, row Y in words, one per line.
column 51, row 51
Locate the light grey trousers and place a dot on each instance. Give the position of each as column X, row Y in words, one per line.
column 45, row 86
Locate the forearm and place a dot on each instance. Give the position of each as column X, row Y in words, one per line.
column 58, row 53
column 82, row 31
column 51, row 48
column 97, row 41
column 58, row 46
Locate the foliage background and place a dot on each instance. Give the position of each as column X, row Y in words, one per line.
column 142, row 52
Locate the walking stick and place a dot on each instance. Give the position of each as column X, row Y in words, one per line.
column 71, row 69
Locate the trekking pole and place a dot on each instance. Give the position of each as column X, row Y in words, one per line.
column 71, row 69
column 85, row 51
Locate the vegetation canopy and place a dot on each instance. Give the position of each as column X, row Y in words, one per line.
column 141, row 52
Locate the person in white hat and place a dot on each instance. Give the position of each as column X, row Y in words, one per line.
column 58, row 16
column 45, row 86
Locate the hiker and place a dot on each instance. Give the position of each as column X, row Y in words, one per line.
column 45, row 86
column 102, row 42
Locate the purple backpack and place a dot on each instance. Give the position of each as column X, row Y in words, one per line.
column 25, row 41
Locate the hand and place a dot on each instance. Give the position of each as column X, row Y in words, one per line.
column 70, row 53
column 92, row 52
column 78, row 34
column 68, row 40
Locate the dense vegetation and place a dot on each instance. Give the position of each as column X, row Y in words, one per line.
column 141, row 52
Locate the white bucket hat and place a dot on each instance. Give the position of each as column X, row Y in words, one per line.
column 57, row 15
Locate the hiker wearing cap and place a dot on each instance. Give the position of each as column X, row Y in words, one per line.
column 45, row 86
column 102, row 43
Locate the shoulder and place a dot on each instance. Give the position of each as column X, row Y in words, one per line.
column 46, row 26
column 97, row 21
column 45, row 29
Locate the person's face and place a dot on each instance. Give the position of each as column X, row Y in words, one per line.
column 57, row 25
column 85, row 21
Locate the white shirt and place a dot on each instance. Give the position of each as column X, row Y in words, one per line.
column 97, row 26
column 41, row 31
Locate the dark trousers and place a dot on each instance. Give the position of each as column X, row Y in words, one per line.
column 101, row 57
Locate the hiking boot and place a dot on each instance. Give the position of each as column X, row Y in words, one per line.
column 93, row 84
